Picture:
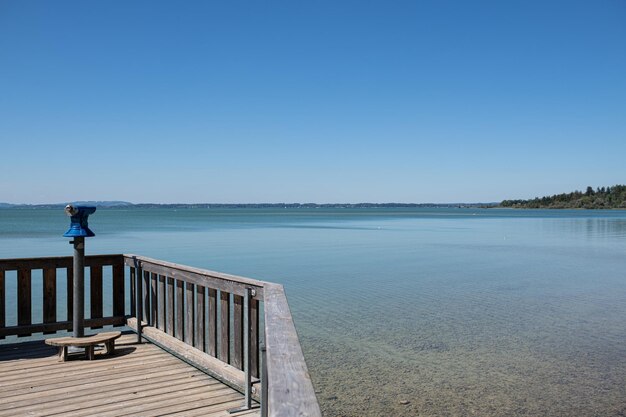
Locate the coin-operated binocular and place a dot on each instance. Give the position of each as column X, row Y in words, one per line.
column 79, row 230
column 79, row 216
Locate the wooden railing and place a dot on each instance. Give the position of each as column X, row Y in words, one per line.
column 197, row 314
column 203, row 309
column 50, row 267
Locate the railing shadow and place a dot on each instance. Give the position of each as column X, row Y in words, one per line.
column 26, row 350
column 39, row 350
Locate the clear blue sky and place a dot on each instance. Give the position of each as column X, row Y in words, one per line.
column 310, row 101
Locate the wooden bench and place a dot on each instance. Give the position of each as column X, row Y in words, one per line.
column 88, row 342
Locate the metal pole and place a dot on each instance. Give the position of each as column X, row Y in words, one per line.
column 78, row 319
column 246, row 347
column 138, row 299
column 246, row 354
column 263, row 381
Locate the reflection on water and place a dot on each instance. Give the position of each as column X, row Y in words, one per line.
column 592, row 228
column 458, row 312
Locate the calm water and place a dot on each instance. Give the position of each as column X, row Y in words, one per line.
column 459, row 311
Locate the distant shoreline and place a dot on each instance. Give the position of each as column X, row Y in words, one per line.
column 190, row 206
column 127, row 205
column 602, row 198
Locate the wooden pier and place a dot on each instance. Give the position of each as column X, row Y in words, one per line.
column 140, row 380
column 197, row 349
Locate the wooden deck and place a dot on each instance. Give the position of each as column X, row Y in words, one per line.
column 139, row 380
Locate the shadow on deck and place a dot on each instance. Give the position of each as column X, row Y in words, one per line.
column 138, row 380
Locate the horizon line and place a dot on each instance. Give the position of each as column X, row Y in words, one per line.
column 118, row 203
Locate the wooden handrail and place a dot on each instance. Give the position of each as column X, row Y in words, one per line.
column 290, row 390
column 56, row 262
column 229, row 283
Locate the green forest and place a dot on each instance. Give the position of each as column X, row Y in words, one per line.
column 600, row 198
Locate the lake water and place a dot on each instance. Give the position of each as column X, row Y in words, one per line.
column 458, row 311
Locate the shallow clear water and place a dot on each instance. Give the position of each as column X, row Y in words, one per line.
column 459, row 311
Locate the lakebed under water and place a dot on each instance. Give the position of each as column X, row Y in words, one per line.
column 457, row 311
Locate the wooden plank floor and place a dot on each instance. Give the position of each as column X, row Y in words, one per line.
column 139, row 380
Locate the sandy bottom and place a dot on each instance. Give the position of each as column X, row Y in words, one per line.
column 516, row 363
column 438, row 380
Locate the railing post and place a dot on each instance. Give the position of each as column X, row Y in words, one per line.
column 263, row 381
column 2, row 302
column 246, row 346
column 246, row 354
column 138, row 298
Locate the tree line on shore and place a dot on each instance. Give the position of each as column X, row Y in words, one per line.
column 601, row 198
